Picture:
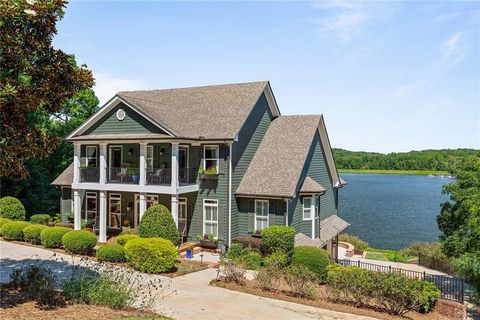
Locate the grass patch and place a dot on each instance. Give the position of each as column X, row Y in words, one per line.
column 399, row 172
column 377, row 256
column 387, row 255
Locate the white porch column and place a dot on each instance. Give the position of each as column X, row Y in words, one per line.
column 142, row 206
column 174, row 165
column 102, row 235
column 77, row 210
column 103, row 163
column 313, row 213
column 143, row 165
column 175, row 208
column 76, row 162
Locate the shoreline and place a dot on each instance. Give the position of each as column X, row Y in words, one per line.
column 396, row 172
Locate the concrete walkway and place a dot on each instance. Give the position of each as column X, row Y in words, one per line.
column 186, row 297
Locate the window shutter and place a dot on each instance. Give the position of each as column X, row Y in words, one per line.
column 221, row 223
column 271, row 212
column 251, row 215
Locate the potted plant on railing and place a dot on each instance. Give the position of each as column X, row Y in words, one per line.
column 208, row 241
column 208, row 174
column 132, row 171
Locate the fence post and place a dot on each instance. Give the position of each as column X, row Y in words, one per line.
column 390, row 269
column 359, row 263
column 424, row 275
column 462, row 292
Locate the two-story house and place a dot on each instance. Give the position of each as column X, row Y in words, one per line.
column 221, row 158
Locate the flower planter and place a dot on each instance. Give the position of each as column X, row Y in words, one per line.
column 88, row 229
column 207, row 244
column 206, row 176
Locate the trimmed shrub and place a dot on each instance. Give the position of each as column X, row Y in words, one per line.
column 2, row 222
column 124, row 238
column 40, row 219
column 314, row 258
column 300, row 280
column 52, row 237
column 151, row 255
column 31, row 234
column 12, row 208
column 277, row 260
column 63, row 224
column 278, row 238
column 79, row 242
column 112, row 252
column 14, row 230
column 128, row 230
column 354, row 240
column 235, row 251
column 157, row 222
column 394, row 293
column 251, row 260
column 252, row 243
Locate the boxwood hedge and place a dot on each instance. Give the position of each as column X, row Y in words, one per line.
column 157, row 222
column 124, row 238
column 151, row 255
column 314, row 258
column 52, row 237
column 79, row 242
column 12, row 208
column 2, row 222
column 278, row 238
column 40, row 219
column 14, row 230
column 31, row 233
column 112, row 252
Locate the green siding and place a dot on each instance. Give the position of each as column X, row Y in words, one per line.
column 132, row 123
column 249, row 139
column 296, row 217
column 246, row 208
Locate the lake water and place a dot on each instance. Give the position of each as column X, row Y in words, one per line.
column 392, row 211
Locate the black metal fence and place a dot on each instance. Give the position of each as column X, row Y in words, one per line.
column 451, row 288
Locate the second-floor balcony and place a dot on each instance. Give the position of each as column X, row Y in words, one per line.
column 89, row 174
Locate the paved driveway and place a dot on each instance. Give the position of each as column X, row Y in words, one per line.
column 186, row 297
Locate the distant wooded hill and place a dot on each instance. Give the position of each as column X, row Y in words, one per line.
column 438, row 160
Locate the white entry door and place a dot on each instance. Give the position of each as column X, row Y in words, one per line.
column 151, row 200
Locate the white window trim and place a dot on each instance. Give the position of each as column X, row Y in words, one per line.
column 268, row 211
column 148, row 159
column 91, row 195
column 217, row 159
column 88, row 158
column 184, row 201
column 206, row 204
column 110, row 210
column 309, row 208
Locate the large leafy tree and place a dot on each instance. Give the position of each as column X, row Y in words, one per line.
column 36, row 81
column 459, row 221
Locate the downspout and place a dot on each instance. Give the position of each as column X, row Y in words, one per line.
column 229, row 194
column 286, row 211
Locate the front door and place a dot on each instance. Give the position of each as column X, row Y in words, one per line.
column 114, row 162
column 151, row 200
column 183, row 164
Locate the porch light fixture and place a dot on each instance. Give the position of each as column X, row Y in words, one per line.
column 130, row 151
column 162, row 150
column 120, row 114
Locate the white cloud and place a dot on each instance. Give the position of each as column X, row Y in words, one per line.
column 345, row 20
column 107, row 85
column 408, row 88
column 454, row 49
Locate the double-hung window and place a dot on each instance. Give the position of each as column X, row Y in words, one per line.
column 149, row 157
column 261, row 214
column 211, row 157
column 91, row 156
column 210, row 217
column 307, row 208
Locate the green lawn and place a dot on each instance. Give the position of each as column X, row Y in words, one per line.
column 377, row 256
column 387, row 255
column 400, row 172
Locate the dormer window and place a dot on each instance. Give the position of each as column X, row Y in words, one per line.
column 211, row 157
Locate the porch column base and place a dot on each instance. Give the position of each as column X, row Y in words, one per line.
column 142, row 206
column 77, row 209
column 102, row 235
column 175, row 208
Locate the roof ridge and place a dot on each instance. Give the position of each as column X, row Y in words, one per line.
column 198, row 87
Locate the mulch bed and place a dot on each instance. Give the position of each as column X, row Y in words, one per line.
column 182, row 267
column 323, row 302
column 13, row 305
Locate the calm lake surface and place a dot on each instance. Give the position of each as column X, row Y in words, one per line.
column 392, row 211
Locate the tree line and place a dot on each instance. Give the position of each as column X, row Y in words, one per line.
column 437, row 160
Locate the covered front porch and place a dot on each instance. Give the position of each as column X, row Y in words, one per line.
column 110, row 212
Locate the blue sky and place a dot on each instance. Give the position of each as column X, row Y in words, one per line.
column 388, row 76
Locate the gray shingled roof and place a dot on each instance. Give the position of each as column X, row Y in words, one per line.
column 213, row 112
column 65, row 178
column 278, row 162
column 311, row 186
column 332, row 226
column 303, row 240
